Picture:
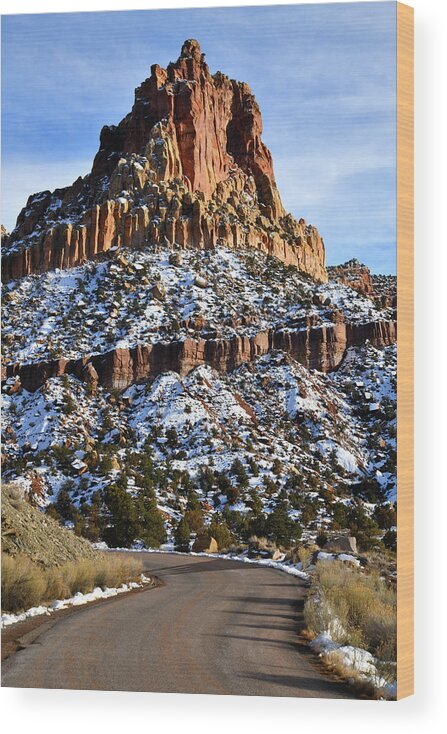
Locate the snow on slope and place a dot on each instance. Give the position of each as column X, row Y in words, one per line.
column 273, row 409
column 94, row 307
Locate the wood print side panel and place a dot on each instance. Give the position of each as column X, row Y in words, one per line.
column 405, row 351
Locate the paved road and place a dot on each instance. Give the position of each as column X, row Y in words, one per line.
column 216, row 626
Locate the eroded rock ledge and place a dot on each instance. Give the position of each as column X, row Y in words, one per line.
column 321, row 348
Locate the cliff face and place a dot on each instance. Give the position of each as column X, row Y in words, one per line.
column 186, row 166
column 321, row 348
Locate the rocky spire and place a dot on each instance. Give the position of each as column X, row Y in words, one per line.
column 186, row 166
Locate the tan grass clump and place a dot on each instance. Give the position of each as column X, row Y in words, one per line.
column 23, row 584
column 26, row 584
column 356, row 608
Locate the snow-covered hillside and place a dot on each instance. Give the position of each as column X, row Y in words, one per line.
column 271, row 428
column 146, row 296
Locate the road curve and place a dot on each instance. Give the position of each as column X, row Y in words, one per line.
column 216, row 626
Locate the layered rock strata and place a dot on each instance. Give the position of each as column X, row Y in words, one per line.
column 187, row 167
column 321, row 348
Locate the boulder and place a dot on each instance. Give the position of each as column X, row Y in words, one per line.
column 341, row 544
column 175, row 258
column 205, row 544
column 277, row 555
column 200, row 281
column 158, row 291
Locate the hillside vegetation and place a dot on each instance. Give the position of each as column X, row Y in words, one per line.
column 42, row 561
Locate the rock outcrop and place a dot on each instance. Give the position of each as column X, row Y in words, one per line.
column 353, row 274
column 382, row 289
column 186, row 166
column 321, row 348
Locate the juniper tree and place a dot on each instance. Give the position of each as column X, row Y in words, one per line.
column 182, row 535
column 238, row 470
column 123, row 517
column 280, row 527
column 151, row 525
column 219, row 531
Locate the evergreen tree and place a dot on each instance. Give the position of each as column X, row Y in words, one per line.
column 79, row 524
column 238, row 470
column 233, row 494
column 276, row 467
column 390, row 540
column 95, row 525
column 52, row 512
column 123, row 517
column 218, row 529
column 206, row 479
column 194, row 512
column 223, row 482
column 64, row 505
column 385, row 516
column 280, row 527
column 105, row 464
column 254, row 468
column 182, row 535
column 363, row 527
column 193, row 502
column 151, row 525
column 171, row 438
column 255, row 503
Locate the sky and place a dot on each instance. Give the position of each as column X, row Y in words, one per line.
column 324, row 77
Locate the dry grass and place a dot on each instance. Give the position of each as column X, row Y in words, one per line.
column 357, row 609
column 262, row 543
column 26, row 584
column 364, row 688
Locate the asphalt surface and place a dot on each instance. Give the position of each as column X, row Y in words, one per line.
column 215, row 626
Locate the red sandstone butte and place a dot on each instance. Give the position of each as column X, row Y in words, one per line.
column 187, row 166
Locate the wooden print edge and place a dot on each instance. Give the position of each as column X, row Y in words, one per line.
column 405, row 350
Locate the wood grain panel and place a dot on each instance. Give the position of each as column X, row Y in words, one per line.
column 405, row 351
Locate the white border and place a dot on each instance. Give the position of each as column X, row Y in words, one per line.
column 39, row 711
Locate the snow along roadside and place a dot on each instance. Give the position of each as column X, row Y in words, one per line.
column 360, row 661
column 74, row 601
column 290, row 568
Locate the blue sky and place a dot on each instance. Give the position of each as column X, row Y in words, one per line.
column 324, row 76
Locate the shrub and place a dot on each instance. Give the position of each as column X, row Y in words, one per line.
column 305, row 554
column 355, row 608
column 26, row 584
column 23, row 585
column 321, row 539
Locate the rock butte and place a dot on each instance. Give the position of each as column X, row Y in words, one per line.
column 185, row 167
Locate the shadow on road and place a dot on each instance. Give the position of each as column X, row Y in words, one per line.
column 201, row 567
column 267, row 601
column 319, row 686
